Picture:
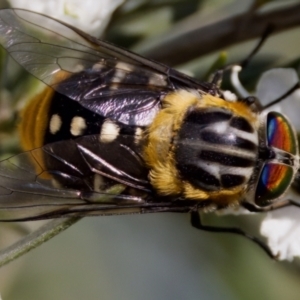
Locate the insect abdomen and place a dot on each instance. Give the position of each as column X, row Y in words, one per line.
column 81, row 149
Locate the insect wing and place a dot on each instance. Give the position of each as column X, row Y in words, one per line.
column 28, row 189
column 97, row 74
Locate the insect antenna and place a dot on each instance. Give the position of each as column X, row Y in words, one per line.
column 218, row 75
column 286, row 94
column 268, row 31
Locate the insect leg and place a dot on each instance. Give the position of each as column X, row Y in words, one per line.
column 217, row 77
column 196, row 222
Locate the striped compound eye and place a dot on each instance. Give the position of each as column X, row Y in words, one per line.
column 280, row 134
column 275, row 178
column 273, row 182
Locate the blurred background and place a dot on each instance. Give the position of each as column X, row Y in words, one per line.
column 157, row 256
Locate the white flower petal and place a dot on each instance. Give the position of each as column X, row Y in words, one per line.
column 90, row 16
column 275, row 83
column 282, row 229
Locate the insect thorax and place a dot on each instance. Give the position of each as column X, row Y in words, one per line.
column 203, row 148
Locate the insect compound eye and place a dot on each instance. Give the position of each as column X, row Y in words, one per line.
column 280, row 133
column 273, row 182
column 275, row 177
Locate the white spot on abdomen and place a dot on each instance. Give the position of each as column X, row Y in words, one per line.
column 78, row 68
column 109, row 131
column 78, row 125
column 55, row 123
column 98, row 67
column 138, row 135
column 124, row 66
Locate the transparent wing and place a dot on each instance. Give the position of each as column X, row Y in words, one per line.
column 86, row 69
column 44, row 47
column 74, row 177
column 80, row 177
